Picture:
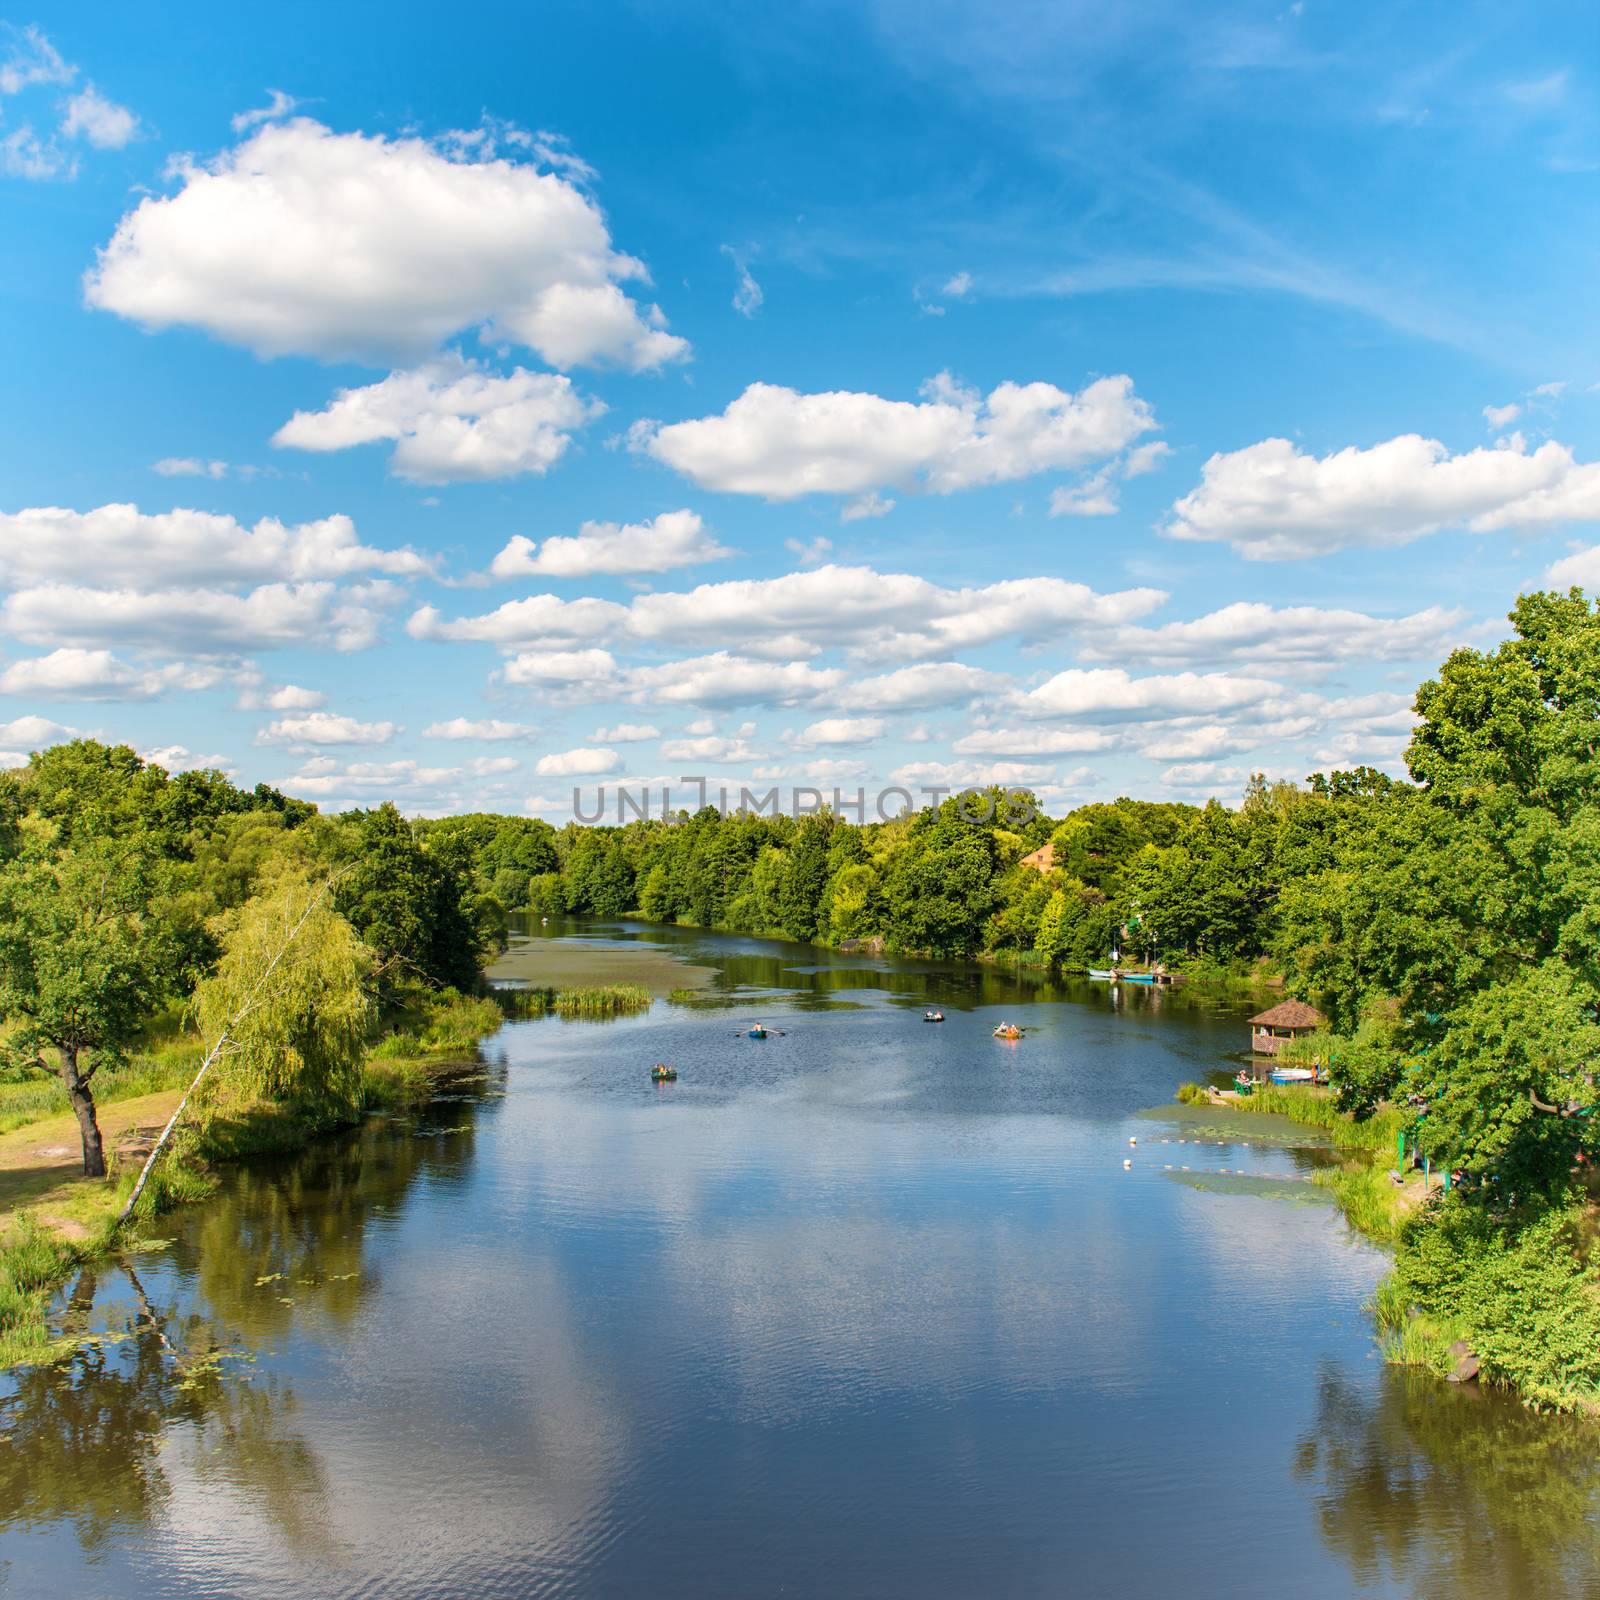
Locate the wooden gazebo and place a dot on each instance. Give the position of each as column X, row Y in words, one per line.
column 1272, row 1030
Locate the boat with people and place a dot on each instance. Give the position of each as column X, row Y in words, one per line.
column 759, row 1031
column 1008, row 1030
column 662, row 1073
column 933, row 1016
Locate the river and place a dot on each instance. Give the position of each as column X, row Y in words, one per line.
column 872, row 1307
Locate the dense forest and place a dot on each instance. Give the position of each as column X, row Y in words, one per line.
column 1448, row 926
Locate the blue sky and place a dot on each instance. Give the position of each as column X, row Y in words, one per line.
column 1102, row 398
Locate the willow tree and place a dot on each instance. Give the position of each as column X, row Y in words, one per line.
column 288, row 1010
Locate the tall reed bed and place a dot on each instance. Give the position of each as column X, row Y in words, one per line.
column 585, row 1003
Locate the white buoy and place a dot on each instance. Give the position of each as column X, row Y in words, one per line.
column 1126, row 1164
column 1133, row 1141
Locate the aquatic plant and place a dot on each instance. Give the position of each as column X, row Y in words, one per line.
column 603, row 1000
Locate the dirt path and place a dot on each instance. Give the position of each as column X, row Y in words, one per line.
column 40, row 1165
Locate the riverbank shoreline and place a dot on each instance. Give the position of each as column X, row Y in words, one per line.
column 54, row 1221
column 1378, row 1208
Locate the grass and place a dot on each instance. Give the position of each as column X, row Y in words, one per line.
column 1371, row 1203
column 32, row 1262
column 603, row 1000
column 1316, row 1109
column 40, row 1094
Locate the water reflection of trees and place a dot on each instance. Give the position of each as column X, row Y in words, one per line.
column 1455, row 1492
column 162, row 1365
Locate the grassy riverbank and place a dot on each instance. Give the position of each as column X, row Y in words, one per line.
column 52, row 1219
column 1511, row 1300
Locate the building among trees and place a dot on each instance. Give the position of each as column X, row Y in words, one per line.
column 1271, row 1030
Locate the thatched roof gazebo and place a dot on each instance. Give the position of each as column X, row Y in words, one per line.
column 1273, row 1029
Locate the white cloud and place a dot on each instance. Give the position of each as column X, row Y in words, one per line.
column 118, row 544
column 539, row 617
column 584, row 762
column 933, row 683
column 1308, row 635
column 866, row 506
column 35, row 732
column 348, row 246
column 957, row 775
column 1190, row 744
column 776, row 442
column 747, row 297
column 492, row 766
column 278, row 106
column 672, row 539
column 722, row 679
column 874, row 614
column 325, row 778
column 710, row 748
column 1212, row 777
column 1581, row 568
column 1034, row 741
column 180, row 758
column 489, row 729
column 879, row 614
column 958, row 287
column 1145, row 458
column 595, row 670
column 23, row 154
column 75, row 674
column 809, row 553
column 189, row 467
column 627, row 733
column 1093, row 497
column 1273, row 502
column 209, row 621
column 30, row 60
column 843, row 730
column 257, row 696
column 326, row 727
column 1112, row 692
column 453, row 421
column 1501, row 416
column 105, row 124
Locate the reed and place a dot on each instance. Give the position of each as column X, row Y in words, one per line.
column 603, row 1000
column 1316, row 1109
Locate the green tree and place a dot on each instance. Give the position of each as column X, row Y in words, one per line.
column 291, row 996
column 82, row 962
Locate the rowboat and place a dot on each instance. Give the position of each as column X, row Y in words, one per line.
column 1103, row 973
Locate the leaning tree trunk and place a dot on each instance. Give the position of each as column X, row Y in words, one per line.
column 82, row 1103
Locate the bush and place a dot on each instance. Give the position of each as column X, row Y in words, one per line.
column 1527, row 1300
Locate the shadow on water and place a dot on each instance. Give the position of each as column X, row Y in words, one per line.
column 1444, row 1491
column 164, row 1348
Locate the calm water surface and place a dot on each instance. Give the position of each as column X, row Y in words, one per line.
column 869, row 1308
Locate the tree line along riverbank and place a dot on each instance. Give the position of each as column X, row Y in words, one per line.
column 1446, row 926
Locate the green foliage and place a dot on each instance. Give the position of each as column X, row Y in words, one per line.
column 1193, row 1094
column 412, row 897
column 291, row 991
column 1521, row 1288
